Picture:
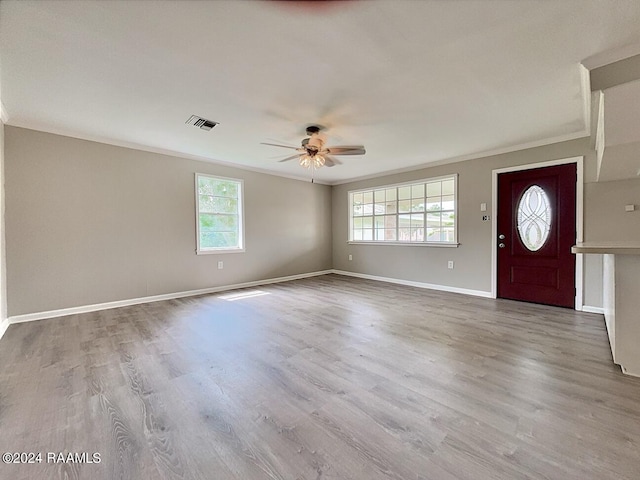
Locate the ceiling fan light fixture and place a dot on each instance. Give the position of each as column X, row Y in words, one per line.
column 315, row 161
column 305, row 161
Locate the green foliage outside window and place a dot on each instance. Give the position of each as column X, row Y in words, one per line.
column 219, row 213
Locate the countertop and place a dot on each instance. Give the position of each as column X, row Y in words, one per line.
column 618, row 248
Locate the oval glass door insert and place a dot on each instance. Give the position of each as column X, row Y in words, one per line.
column 534, row 218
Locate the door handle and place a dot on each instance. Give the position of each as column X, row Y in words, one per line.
column 501, row 245
column 501, row 237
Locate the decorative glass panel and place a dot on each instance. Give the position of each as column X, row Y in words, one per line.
column 534, row 218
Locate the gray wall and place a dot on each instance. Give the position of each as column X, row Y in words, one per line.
column 88, row 223
column 606, row 217
column 607, row 220
column 473, row 257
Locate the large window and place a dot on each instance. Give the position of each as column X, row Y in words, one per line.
column 422, row 212
column 219, row 214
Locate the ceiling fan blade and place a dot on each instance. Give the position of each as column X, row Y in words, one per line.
column 331, row 161
column 289, row 158
column 347, row 150
column 276, row 145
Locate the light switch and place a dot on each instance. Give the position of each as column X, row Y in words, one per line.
column 629, row 208
column 483, row 207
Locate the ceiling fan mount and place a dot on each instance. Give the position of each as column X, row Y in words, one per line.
column 311, row 129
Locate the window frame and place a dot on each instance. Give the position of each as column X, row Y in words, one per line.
column 424, row 181
column 240, row 199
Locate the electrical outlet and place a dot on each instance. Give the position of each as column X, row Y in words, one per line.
column 486, row 218
column 350, row 257
column 450, row 264
column 220, row 265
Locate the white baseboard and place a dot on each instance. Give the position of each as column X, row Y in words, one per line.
column 29, row 317
column 4, row 324
column 589, row 309
column 430, row 286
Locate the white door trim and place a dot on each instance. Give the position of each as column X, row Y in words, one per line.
column 579, row 161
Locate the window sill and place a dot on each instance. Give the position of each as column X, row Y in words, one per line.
column 219, row 251
column 406, row 244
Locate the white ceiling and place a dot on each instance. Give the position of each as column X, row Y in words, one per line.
column 414, row 81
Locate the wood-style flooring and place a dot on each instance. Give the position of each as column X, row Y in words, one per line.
column 324, row 378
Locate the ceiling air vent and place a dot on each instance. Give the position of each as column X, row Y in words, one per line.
column 200, row 122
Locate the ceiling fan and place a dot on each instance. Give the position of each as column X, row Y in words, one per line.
column 313, row 153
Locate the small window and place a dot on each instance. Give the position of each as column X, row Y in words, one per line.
column 219, row 221
column 421, row 212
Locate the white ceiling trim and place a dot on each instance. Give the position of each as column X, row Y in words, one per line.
column 610, row 56
column 474, row 156
column 161, row 151
column 304, row 178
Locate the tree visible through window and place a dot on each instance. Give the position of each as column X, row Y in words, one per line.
column 219, row 213
column 421, row 212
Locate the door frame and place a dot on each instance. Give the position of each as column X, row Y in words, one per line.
column 579, row 161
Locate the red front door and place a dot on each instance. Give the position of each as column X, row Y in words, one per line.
column 536, row 229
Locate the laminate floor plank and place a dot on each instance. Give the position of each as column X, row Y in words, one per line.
column 321, row 378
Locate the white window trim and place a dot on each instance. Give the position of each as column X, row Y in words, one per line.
column 219, row 250
column 453, row 244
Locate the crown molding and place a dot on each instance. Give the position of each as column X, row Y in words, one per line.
column 475, row 156
column 610, row 56
column 162, row 151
